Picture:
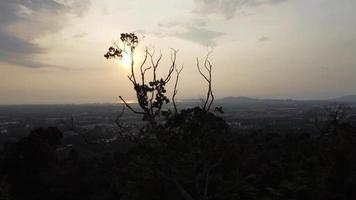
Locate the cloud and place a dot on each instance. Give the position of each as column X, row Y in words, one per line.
column 227, row 8
column 264, row 39
column 24, row 21
column 198, row 35
column 80, row 35
column 15, row 50
column 198, row 22
column 169, row 24
column 194, row 30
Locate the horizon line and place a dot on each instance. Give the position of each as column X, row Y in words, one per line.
column 179, row 101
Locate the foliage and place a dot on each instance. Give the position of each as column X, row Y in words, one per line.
column 191, row 148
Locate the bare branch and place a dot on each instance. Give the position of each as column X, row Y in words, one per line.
column 210, row 87
column 132, row 81
column 211, row 100
column 201, row 73
column 129, row 107
column 132, row 68
column 206, row 61
column 151, row 95
column 185, row 194
column 154, row 65
column 208, row 78
column 123, row 131
column 173, row 66
column 175, row 90
column 143, row 71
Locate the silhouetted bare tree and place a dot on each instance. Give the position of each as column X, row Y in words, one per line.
column 209, row 96
column 151, row 95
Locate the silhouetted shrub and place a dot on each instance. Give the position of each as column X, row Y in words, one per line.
column 29, row 159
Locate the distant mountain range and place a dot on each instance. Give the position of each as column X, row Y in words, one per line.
column 226, row 100
column 349, row 98
column 248, row 100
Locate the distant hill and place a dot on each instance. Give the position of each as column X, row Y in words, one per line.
column 348, row 98
column 240, row 98
column 243, row 99
column 248, row 101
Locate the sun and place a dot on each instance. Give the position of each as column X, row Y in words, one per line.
column 125, row 61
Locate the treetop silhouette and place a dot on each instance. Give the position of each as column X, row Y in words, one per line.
column 152, row 95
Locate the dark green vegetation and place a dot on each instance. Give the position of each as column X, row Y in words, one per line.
column 192, row 155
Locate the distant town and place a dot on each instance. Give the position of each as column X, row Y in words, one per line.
column 98, row 122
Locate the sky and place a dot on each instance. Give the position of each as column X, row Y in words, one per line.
column 51, row 51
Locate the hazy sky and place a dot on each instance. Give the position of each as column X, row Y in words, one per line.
column 51, row 51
